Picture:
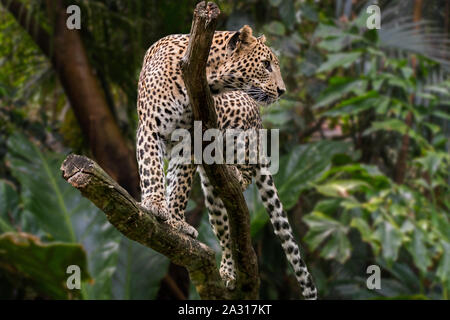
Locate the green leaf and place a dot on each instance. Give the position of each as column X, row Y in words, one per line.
column 353, row 106
column 337, row 248
column 62, row 213
column 390, row 238
column 326, row 31
column 431, row 161
column 139, row 272
column 328, row 206
column 341, row 188
column 309, row 12
column 338, row 60
column 363, row 227
column 44, row 264
column 443, row 271
column 275, row 28
column 287, row 12
column 275, row 3
column 303, row 166
column 338, row 43
column 441, row 114
column 418, row 250
column 397, row 126
column 338, row 90
column 9, row 202
column 322, row 227
column 278, row 118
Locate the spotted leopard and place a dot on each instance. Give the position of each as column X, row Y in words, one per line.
column 242, row 73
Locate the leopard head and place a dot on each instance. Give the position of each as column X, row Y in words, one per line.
column 250, row 66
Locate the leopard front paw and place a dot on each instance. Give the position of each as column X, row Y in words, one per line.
column 158, row 208
column 184, row 227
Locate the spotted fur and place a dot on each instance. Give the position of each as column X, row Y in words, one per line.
column 242, row 73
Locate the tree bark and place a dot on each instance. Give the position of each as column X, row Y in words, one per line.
column 68, row 56
column 142, row 226
column 193, row 67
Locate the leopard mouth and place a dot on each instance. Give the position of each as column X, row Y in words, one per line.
column 260, row 95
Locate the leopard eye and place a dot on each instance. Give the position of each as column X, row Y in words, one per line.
column 267, row 65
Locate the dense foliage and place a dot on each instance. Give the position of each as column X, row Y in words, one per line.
column 364, row 141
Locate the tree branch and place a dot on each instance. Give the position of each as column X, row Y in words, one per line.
column 136, row 223
column 193, row 67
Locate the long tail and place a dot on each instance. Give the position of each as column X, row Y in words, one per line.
column 283, row 231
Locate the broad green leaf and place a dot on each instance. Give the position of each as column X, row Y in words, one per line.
column 443, row 271
column 367, row 173
column 302, row 166
column 352, row 108
column 338, row 248
column 275, row 3
column 338, row 43
column 9, row 202
column 363, row 227
column 397, row 126
column 139, row 272
column 390, row 238
column 336, row 91
column 287, row 13
column 44, row 264
column 418, row 250
column 276, row 28
column 441, row 114
column 328, row 206
column 431, row 162
column 325, row 31
column 278, row 118
column 62, row 213
column 402, row 272
column 309, row 12
column 341, row 188
column 338, row 60
column 323, row 227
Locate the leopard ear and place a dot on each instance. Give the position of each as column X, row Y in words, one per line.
column 246, row 35
column 262, row 38
column 241, row 39
column 233, row 42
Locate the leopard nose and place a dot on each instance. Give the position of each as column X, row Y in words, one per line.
column 280, row 91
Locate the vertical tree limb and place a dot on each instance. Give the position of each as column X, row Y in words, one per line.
column 193, row 67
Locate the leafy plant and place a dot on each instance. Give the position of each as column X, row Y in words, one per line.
column 51, row 208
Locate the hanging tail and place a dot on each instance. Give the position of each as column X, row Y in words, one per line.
column 283, row 231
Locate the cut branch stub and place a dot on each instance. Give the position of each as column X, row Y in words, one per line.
column 193, row 64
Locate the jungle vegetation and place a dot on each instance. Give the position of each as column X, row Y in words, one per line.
column 364, row 139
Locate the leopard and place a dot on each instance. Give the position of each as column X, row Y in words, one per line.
column 243, row 73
